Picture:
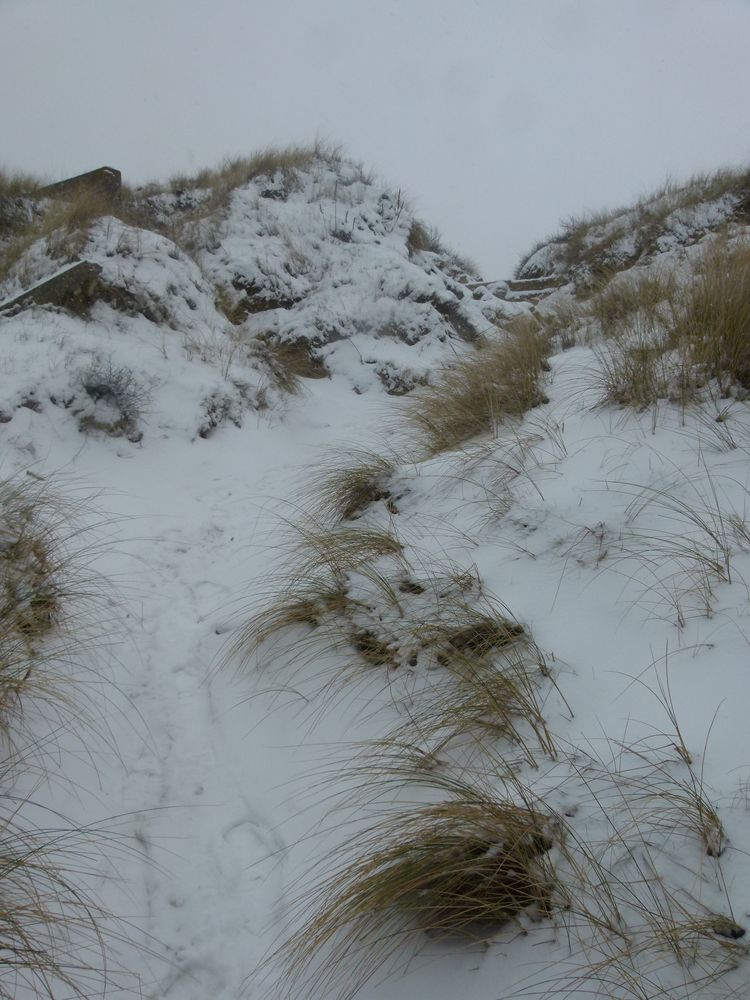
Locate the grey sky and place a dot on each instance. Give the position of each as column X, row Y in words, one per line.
column 497, row 117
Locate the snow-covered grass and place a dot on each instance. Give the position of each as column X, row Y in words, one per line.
column 348, row 484
column 481, row 391
column 679, row 341
column 456, row 868
column 45, row 594
column 56, row 937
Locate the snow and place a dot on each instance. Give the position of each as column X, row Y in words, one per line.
column 615, row 538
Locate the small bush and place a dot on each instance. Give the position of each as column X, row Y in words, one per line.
column 482, row 390
column 119, row 399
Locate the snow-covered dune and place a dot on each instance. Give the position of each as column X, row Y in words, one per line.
column 324, row 636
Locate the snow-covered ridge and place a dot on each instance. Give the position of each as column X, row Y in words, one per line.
column 677, row 216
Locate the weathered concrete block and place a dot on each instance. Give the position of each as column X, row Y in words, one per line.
column 78, row 287
column 544, row 284
column 75, row 288
column 105, row 180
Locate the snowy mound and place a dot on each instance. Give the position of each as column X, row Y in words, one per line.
column 216, row 297
column 675, row 217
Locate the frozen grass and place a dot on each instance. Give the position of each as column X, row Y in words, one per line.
column 234, row 173
column 55, row 937
column 349, row 590
column 674, row 547
column 485, row 701
column 636, row 931
column 684, row 344
column 33, row 585
column 457, row 869
column 52, row 941
column 712, row 317
column 639, row 294
column 315, row 589
column 343, row 490
column 482, row 390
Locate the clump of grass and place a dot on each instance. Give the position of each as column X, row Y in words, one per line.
column 712, row 318
column 457, row 869
column 422, row 238
column 17, row 184
column 482, row 390
column 483, row 700
column 483, row 635
column 53, row 943
column 678, row 344
column 307, row 605
column 341, row 550
column 344, row 490
column 645, row 294
column 32, row 583
column 315, row 591
column 290, row 361
column 57, row 940
column 641, row 934
column 16, row 207
column 236, row 172
column 561, row 322
column 637, row 369
column 372, row 649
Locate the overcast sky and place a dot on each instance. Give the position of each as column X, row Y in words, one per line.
column 497, row 117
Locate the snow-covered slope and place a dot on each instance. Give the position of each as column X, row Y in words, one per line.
column 313, row 270
column 675, row 217
column 325, row 634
